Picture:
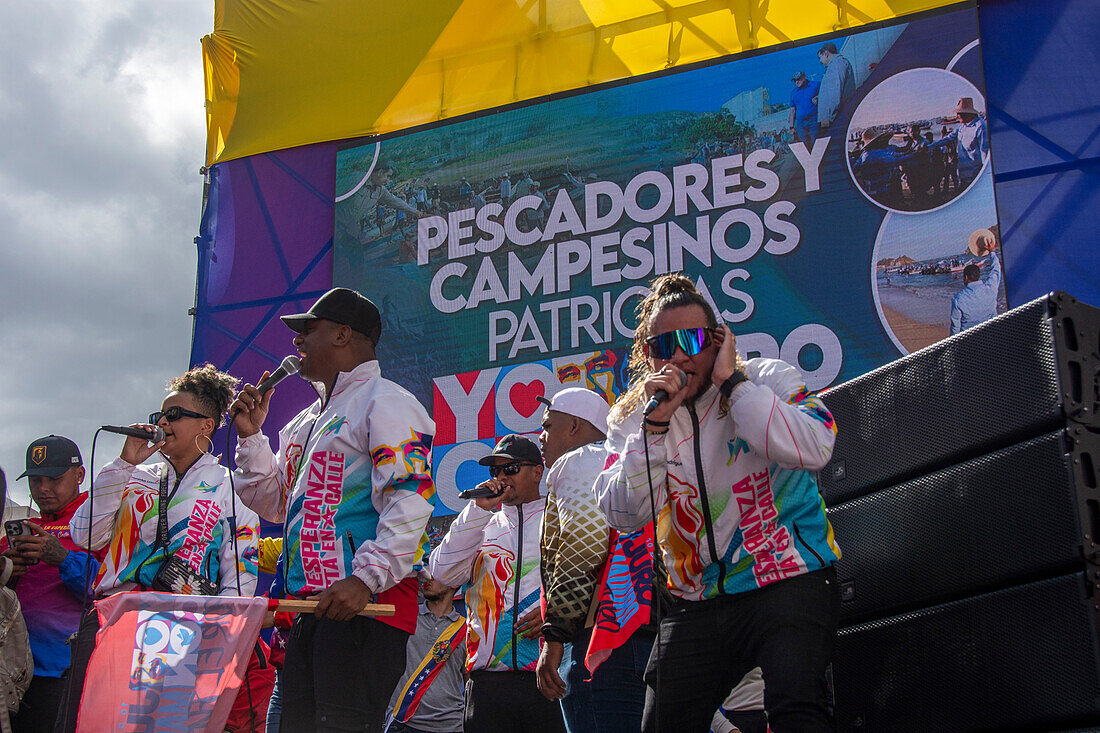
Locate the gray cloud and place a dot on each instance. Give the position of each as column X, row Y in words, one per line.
column 101, row 107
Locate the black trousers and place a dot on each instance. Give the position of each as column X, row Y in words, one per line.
column 704, row 648
column 80, row 652
column 38, row 709
column 504, row 702
column 339, row 675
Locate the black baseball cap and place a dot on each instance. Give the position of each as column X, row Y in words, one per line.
column 344, row 306
column 513, row 448
column 51, row 456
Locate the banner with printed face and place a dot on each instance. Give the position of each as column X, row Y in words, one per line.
column 165, row 662
column 832, row 200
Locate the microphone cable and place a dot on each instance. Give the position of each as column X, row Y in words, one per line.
column 233, row 498
column 237, row 557
column 88, row 545
column 88, row 599
column 656, row 605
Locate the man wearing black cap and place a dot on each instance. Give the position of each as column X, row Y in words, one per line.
column 352, row 484
column 802, row 118
column 50, row 574
column 493, row 545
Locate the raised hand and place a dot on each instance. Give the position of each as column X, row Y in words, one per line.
column 250, row 408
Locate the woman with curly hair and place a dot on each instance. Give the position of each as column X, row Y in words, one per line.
column 723, row 464
column 206, row 540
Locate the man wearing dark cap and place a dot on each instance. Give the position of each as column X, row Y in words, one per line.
column 493, row 545
column 803, row 115
column 50, row 574
column 352, row 486
column 574, row 548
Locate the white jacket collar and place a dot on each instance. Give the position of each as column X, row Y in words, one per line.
column 366, row 370
column 529, row 508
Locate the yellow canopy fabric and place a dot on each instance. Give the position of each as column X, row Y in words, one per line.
column 283, row 73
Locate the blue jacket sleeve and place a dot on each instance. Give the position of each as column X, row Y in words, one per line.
column 75, row 569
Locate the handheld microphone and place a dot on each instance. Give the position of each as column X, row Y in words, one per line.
column 660, row 396
column 153, row 435
column 482, row 489
column 288, row 367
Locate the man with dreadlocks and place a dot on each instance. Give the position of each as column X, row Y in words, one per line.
column 723, row 464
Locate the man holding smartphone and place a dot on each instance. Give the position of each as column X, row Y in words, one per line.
column 50, row 573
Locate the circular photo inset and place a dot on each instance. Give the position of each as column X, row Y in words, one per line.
column 918, row 140
column 933, row 276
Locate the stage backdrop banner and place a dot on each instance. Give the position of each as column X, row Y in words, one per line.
column 166, row 662
column 828, row 220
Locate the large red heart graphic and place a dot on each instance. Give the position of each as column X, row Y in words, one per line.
column 524, row 397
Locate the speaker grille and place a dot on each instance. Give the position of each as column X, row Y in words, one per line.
column 993, row 521
column 1018, row 659
column 999, row 383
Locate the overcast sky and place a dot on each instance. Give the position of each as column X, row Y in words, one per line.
column 101, row 112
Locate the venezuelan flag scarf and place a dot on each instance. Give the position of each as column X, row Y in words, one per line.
column 428, row 669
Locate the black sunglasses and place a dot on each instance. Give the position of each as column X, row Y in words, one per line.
column 175, row 413
column 508, row 469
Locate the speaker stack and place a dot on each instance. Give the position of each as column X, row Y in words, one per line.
column 964, row 491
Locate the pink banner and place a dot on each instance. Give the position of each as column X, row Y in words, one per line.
column 166, row 662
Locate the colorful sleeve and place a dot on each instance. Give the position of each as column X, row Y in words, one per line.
column 400, row 444
column 622, row 489
column 97, row 522
column 452, row 562
column 780, row 419
column 578, row 546
column 257, row 478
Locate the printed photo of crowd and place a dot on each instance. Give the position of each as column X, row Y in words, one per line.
column 918, row 140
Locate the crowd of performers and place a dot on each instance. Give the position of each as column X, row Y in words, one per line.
column 656, row 565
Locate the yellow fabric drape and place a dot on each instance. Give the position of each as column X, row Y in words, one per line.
column 283, row 73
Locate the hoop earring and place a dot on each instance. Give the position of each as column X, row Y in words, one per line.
column 208, row 440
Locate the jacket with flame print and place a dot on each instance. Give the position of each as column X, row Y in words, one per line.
column 483, row 551
column 124, row 519
column 751, row 513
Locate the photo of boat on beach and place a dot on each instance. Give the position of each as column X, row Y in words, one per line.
column 920, row 264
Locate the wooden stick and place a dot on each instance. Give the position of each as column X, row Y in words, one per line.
column 296, row 606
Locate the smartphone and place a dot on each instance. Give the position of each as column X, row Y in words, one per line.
column 14, row 528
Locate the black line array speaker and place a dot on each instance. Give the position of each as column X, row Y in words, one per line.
column 1024, row 658
column 1017, row 514
column 1013, row 377
column 964, row 492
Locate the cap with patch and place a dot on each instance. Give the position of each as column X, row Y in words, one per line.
column 799, row 75
column 513, row 448
column 51, row 456
column 344, row 306
column 582, row 403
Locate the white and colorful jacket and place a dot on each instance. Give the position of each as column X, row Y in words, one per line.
column 489, row 550
column 737, row 506
column 361, row 500
column 574, row 541
column 125, row 511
